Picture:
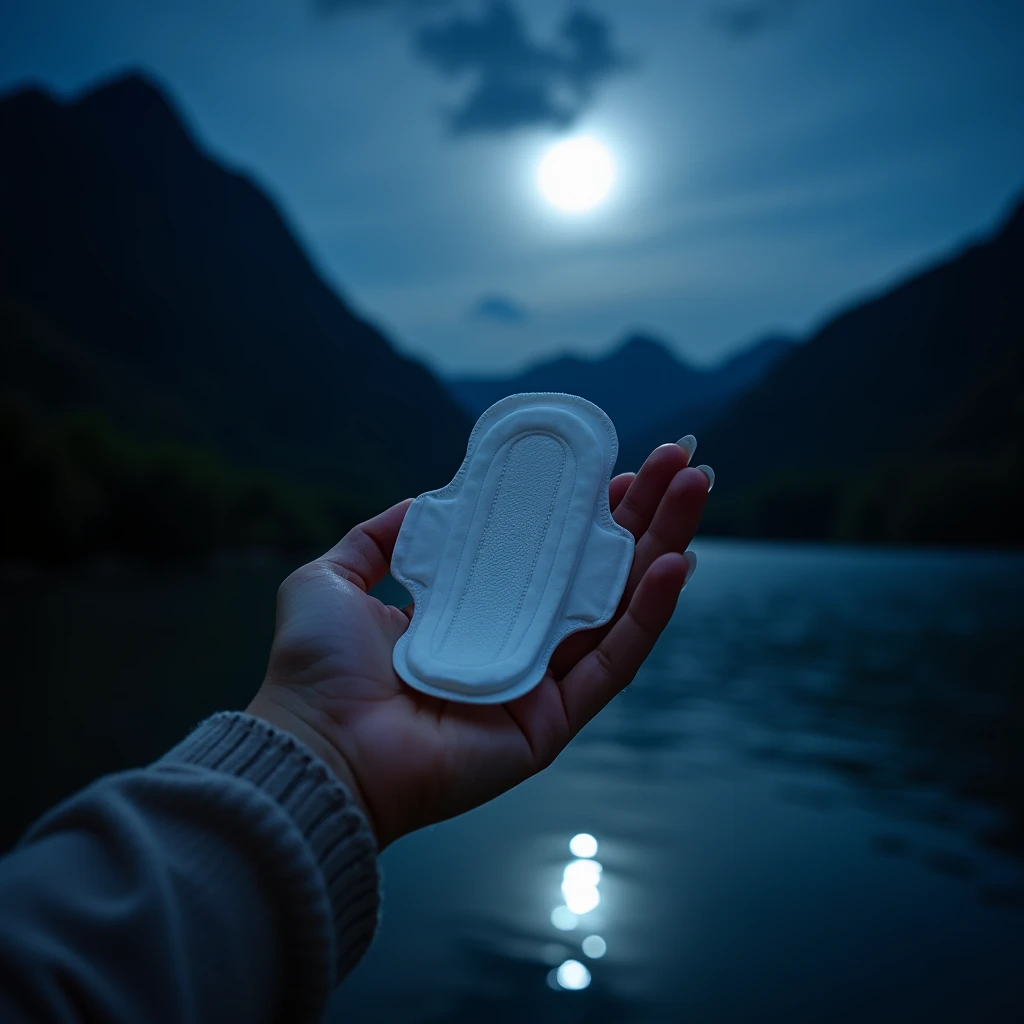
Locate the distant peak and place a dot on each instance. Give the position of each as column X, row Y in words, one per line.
column 133, row 96
column 776, row 342
column 31, row 96
column 640, row 342
column 1015, row 221
column 31, row 92
column 127, row 86
column 645, row 349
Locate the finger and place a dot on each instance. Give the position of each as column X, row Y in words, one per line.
column 671, row 527
column 615, row 661
column 617, row 488
column 674, row 524
column 363, row 555
column 638, row 505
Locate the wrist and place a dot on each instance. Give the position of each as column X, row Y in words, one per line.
column 279, row 707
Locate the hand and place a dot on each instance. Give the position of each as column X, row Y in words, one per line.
column 410, row 759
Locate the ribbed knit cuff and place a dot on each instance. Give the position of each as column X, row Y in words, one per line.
column 322, row 809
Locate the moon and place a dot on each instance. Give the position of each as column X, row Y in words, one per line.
column 576, row 175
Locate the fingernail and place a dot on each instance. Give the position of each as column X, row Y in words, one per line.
column 691, row 561
column 710, row 474
column 688, row 444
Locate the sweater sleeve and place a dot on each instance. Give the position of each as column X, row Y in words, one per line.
column 234, row 879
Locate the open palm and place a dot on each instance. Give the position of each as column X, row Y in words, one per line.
column 411, row 759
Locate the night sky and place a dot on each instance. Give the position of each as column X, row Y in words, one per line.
column 775, row 159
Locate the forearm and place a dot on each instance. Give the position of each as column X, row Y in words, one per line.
column 232, row 880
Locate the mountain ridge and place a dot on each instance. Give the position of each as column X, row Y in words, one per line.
column 162, row 327
column 949, row 322
column 640, row 383
column 876, row 387
column 123, row 232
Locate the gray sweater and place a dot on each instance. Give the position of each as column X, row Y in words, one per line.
column 232, row 880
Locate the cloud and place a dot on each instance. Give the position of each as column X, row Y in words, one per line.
column 750, row 18
column 500, row 309
column 515, row 81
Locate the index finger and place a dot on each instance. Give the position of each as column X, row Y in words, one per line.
column 615, row 661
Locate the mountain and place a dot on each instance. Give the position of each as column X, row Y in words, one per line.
column 176, row 376
column 642, row 386
column 145, row 283
column 965, row 483
column 900, row 381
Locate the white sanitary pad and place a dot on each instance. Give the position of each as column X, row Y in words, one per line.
column 516, row 553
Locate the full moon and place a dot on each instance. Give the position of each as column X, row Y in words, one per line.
column 576, row 175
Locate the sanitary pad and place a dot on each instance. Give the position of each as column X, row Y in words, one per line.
column 516, row 553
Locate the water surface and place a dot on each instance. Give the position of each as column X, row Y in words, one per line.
column 809, row 805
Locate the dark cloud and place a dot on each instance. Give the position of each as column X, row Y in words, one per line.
column 513, row 80
column 500, row 309
column 751, row 18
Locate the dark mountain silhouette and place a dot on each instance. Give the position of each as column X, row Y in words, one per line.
column 143, row 282
column 902, row 381
column 176, row 376
column 965, row 483
column 640, row 384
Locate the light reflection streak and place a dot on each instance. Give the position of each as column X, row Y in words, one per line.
column 579, row 885
column 573, row 976
column 580, row 880
column 583, row 845
column 564, row 919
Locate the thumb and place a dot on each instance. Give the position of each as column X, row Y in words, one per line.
column 396, row 622
column 363, row 555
